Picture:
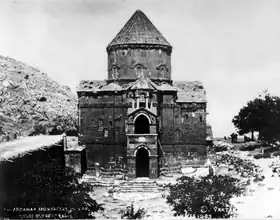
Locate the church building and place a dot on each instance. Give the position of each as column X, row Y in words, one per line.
column 139, row 116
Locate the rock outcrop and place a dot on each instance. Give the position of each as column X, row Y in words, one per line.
column 28, row 97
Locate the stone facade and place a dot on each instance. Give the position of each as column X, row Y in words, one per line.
column 139, row 112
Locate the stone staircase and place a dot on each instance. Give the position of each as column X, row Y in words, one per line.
column 140, row 185
column 101, row 182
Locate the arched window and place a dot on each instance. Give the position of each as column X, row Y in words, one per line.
column 139, row 70
column 162, row 71
column 115, row 73
column 142, row 125
column 100, row 125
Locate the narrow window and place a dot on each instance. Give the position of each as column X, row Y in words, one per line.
column 200, row 118
column 105, row 133
column 142, row 104
column 100, row 125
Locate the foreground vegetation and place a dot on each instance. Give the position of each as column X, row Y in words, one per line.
column 56, row 193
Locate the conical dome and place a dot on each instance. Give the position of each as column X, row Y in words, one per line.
column 139, row 30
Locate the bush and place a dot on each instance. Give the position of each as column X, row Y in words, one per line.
column 277, row 153
column 258, row 156
column 131, row 213
column 56, row 131
column 44, row 186
column 265, row 155
column 38, row 129
column 207, row 196
column 249, row 146
column 219, row 146
column 238, row 164
column 57, row 126
column 270, row 149
column 71, row 131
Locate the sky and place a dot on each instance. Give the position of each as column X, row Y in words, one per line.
column 232, row 46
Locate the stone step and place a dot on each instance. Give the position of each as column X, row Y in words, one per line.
column 171, row 167
column 121, row 170
column 140, row 191
column 142, row 182
column 139, row 187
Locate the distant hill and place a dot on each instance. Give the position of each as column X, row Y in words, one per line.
column 28, row 98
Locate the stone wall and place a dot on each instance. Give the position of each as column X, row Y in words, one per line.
column 151, row 60
column 182, row 126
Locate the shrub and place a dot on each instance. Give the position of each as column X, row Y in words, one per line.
column 45, row 186
column 270, row 149
column 249, row 146
column 205, row 196
column 219, row 146
column 38, row 129
column 71, row 131
column 258, row 156
column 131, row 213
column 56, row 131
column 265, row 155
column 277, row 153
column 238, row 164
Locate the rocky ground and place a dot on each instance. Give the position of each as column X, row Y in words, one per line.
column 262, row 199
column 28, row 96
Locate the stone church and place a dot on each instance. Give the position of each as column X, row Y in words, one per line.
column 139, row 116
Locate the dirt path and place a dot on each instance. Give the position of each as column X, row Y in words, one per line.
column 264, row 199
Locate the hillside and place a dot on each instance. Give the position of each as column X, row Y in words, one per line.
column 29, row 97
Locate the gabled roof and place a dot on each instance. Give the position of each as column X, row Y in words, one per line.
column 141, row 110
column 192, row 91
column 166, row 87
column 111, row 87
column 142, row 83
column 139, row 30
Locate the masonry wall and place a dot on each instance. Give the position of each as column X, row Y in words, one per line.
column 183, row 131
column 102, row 126
column 151, row 59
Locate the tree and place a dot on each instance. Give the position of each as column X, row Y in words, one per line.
column 44, row 186
column 207, row 196
column 261, row 115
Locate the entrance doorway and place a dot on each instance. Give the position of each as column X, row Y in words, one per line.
column 142, row 125
column 142, row 163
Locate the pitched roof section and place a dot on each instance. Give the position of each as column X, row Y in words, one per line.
column 111, row 87
column 139, row 30
column 142, row 83
column 186, row 91
column 166, row 87
column 90, row 85
column 190, row 91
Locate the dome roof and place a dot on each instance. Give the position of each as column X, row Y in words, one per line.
column 139, row 30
